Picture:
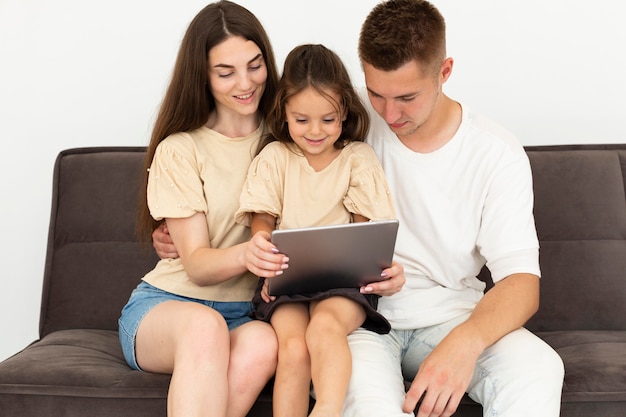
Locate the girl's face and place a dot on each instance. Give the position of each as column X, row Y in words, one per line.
column 314, row 124
column 237, row 74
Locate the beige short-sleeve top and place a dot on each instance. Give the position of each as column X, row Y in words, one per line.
column 202, row 171
column 281, row 182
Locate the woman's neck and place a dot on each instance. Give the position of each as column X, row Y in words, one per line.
column 233, row 125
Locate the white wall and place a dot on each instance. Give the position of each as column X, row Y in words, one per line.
column 75, row 73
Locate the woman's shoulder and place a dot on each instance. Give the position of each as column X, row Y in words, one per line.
column 179, row 140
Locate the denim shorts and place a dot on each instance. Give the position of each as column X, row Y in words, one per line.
column 145, row 297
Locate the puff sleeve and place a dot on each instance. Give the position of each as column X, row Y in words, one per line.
column 262, row 190
column 175, row 188
column 368, row 193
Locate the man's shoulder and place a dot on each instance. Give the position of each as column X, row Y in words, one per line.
column 489, row 131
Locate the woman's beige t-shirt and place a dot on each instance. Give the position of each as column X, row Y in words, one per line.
column 202, row 171
column 282, row 183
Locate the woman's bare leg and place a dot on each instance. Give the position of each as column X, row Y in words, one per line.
column 293, row 373
column 253, row 356
column 332, row 320
column 192, row 342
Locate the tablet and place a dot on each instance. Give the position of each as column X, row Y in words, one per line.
column 339, row 256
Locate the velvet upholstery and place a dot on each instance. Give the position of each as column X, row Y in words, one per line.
column 76, row 368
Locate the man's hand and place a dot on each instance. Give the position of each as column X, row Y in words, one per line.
column 444, row 376
column 163, row 243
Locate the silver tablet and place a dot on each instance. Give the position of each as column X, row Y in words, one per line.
column 339, row 256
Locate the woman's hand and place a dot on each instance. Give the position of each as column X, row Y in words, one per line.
column 393, row 280
column 262, row 257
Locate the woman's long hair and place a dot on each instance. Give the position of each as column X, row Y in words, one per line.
column 188, row 100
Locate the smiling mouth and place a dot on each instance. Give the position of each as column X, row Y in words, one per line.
column 245, row 96
column 315, row 141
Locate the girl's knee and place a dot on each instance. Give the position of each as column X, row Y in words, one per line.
column 293, row 352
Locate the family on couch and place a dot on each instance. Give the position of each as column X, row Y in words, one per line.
column 462, row 190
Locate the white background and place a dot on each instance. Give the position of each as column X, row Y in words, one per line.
column 77, row 73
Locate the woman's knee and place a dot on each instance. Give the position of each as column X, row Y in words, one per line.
column 255, row 340
column 175, row 331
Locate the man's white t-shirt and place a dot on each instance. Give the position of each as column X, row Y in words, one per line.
column 465, row 204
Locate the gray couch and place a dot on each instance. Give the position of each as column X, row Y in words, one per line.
column 93, row 262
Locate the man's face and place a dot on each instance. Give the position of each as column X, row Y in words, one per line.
column 405, row 98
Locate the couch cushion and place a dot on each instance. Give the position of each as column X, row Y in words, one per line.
column 73, row 372
column 86, row 363
column 595, row 364
column 93, row 260
column 580, row 212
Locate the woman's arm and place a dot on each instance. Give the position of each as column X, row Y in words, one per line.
column 204, row 265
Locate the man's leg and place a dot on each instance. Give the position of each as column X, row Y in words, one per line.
column 520, row 375
column 376, row 386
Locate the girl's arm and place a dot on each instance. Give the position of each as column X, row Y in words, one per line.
column 359, row 218
column 262, row 222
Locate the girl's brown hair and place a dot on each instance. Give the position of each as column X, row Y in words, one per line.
column 320, row 68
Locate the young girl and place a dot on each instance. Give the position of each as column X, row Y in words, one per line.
column 190, row 316
column 315, row 171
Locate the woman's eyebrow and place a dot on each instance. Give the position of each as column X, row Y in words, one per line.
column 232, row 66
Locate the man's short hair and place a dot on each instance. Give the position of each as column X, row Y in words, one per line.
column 398, row 31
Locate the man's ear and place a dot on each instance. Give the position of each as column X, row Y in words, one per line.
column 446, row 69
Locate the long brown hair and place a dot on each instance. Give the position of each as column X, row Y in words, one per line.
column 188, row 100
column 320, row 68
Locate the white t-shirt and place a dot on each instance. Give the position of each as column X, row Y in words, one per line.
column 465, row 204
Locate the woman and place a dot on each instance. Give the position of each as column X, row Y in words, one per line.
column 190, row 316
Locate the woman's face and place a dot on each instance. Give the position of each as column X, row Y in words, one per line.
column 237, row 74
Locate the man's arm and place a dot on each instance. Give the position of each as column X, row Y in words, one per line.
column 163, row 243
column 445, row 374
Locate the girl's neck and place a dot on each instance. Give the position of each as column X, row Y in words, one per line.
column 320, row 162
column 233, row 125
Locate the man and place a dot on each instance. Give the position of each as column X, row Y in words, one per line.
column 463, row 192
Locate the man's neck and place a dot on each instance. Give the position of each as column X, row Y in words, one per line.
column 438, row 130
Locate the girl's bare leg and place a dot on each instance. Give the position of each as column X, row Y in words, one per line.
column 293, row 373
column 332, row 320
column 190, row 341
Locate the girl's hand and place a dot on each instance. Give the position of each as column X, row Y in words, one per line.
column 393, row 280
column 262, row 257
column 265, row 295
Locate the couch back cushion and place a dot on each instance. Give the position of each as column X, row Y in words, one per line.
column 580, row 213
column 93, row 259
